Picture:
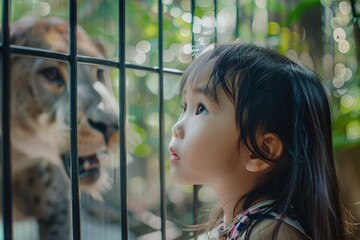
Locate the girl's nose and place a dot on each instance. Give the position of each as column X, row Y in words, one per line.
column 178, row 130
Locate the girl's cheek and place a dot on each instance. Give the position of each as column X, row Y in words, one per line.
column 199, row 146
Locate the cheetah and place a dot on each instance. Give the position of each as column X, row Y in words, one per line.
column 40, row 125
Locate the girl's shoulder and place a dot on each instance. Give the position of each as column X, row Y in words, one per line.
column 260, row 222
column 264, row 229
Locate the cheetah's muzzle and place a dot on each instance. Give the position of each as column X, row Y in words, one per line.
column 89, row 168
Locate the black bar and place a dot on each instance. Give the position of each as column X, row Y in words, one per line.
column 140, row 67
column 161, row 122
column 215, row 16
column 192, row 9
column 97, row 61
column 173, row 71
column 109, row 63
column 153, row 69
column 195, row 187
column 5, row 120
column 237, row 19
column 36, row 52
column 74, row 173
column 122, row 123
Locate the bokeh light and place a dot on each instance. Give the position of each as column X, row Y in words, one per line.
column 353, row 130
column 345, row 8
column 344, row 46
column 339, row 35
column 43, row 9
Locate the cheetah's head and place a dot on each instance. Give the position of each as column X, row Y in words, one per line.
column 41, row 98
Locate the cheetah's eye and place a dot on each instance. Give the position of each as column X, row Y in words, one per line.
column 53, row 75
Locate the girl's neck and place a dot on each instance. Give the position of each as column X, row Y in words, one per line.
column 233, row 205
column 231, row 193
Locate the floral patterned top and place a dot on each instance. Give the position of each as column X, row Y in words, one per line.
column 259, row 211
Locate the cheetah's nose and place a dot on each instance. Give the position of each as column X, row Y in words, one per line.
column 106, row 130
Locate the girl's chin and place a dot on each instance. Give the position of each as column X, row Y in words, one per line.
column 181, row 179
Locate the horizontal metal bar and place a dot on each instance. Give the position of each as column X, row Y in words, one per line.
column 109, row 63
column 98, row 61
column 37, row 52
column 173, row 71
column 153, row 69
column 115, row 64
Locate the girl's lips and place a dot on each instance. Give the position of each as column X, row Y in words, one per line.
column 173, row 156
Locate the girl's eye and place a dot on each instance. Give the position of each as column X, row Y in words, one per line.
column 201, row 109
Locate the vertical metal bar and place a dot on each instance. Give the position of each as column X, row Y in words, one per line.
column 161, row 122
column 74, row 173
column 5, row 120
column 215, row 15
column 122, row 122
column 237, row 19
column 195, row 187
column 192, row 9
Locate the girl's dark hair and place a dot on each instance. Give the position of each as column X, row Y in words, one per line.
column 272, row 93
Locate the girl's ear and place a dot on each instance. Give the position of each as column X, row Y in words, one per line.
column 256, row 164
column 272, row 146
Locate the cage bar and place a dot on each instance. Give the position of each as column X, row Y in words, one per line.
column 5, row 128
column 237, row 34
column 74, row 171
column 215, row 16
column 196, row 188
column 122, row 123
column 161, row 122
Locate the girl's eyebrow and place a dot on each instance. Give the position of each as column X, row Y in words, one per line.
column 200, row 89
column 204, row 91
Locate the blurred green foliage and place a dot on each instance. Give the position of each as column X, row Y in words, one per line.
column 274, row 23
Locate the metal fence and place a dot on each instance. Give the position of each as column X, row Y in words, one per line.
column 313, row 37
column 72, row 58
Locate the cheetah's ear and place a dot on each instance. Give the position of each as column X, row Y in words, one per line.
column 18, row 34
column 101, row 47
column 272, row 146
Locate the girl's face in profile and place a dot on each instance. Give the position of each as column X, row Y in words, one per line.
column 204, row 145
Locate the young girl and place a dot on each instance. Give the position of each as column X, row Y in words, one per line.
column 256, row 127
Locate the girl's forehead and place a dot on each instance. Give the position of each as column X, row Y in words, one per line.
column 199, row 80
column 198, row 74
